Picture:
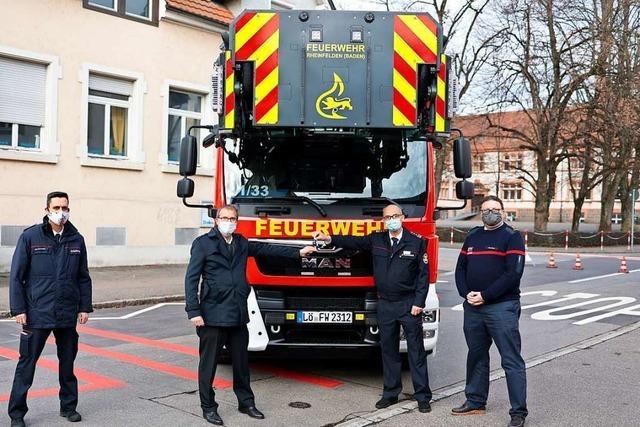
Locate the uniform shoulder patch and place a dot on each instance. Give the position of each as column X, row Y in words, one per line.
column 415, row 234
column 425, row 258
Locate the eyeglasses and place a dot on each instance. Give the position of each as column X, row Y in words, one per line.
column 394, row 216
column 228, row 218
column 488, row 211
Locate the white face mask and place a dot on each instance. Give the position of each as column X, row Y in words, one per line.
column 226, row 228
column 59, row 217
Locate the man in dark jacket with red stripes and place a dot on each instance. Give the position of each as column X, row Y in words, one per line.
column 488, row 275
column 50, row 291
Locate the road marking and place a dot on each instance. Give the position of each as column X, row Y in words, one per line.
column 192, row 351
column 375, row 417
column 601, row 277
column 91, row 380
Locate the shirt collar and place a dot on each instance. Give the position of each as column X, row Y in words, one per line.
column 60, row 233
column 399, row 236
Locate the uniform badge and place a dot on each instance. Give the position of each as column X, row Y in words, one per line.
column 425, row 258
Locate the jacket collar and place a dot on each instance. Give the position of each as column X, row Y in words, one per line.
column 69, row 228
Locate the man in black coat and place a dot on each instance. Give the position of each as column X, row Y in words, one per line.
column 401, row 276
column 219, row 310
column 50, row 291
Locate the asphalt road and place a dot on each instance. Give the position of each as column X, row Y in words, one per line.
column 137, row 366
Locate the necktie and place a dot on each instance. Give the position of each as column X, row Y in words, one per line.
column 394, row 242
column 58, row 237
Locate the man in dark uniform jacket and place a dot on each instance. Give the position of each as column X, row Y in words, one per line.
column 488, row 274
column 219, row 310
column 401, row 275
column 50, row 290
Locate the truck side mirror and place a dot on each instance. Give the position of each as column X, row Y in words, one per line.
column 185, row 188
column 464, row 190
column 188, row 156
column 462, row 158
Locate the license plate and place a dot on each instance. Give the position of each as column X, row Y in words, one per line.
column 324, row 317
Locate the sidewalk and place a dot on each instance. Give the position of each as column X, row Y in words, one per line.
column 597, row 386
column 608, row 250
column 119, row 286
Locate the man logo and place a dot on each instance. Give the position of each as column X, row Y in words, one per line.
column 329, row 103
column 329, row 263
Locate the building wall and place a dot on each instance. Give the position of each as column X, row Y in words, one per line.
column 139, row 197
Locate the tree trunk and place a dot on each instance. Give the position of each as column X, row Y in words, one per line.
column 578, row 202
column 608, row 199
column 543, row 199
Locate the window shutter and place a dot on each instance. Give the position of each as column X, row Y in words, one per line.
column 22, row 91
column 110, row 85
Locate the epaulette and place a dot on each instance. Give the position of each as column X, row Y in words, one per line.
column 30, row 227
column 415, row 234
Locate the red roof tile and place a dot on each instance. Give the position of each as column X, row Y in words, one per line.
column 204, row 9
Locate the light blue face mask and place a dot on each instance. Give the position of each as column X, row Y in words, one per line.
column 393, row 224
column 226, row 228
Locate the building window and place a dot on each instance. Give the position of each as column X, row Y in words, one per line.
column 139, row 10
column 512, row 161
column 511, row 215
column 22, row 103
column 576, row 163
column 108, row 116
column 445, row 187
column 478, row 163
column 185, row 110
column 28, row 106
column 512, row 191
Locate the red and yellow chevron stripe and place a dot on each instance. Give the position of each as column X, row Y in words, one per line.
column 441, row 96
column 256, row 39
column 229, row 96
column 415, row 41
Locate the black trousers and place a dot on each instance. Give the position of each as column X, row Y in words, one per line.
column 212, row 339
column 32, row 342
column 392, row 314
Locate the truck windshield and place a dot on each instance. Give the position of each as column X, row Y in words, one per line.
column 330, row 172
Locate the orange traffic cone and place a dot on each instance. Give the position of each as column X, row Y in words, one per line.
column 578, row 264
column 623, row 265
column 552, row 261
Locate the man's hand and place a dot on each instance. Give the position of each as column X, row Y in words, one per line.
column 21, row 319
column 475, row 298
column 197, row 321
column 415, row 310
column 83, row 317
column 319, row 235
column 308, row 250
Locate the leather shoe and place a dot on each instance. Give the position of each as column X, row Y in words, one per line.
column 467, row 409
column 424, row 406
column 385, row 402
column 252, row 411
column 71, row 416
column 212, row 417
column 18, row 422
column 516, row 421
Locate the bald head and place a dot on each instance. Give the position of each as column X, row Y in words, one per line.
column 391, row 209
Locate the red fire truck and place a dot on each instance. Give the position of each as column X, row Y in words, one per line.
column 325, row 118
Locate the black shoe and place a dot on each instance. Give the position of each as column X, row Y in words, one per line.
column 18, row 422
column 385, row 402
column 211, row 415
column 252, row 411
column 516, row 421
column 71, row 416
column 466, row 409
column 424, row 406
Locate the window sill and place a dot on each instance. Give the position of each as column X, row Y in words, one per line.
column 27, row 156
column 111, row 163
column 174, row 168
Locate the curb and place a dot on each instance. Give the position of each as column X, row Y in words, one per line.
column 122, row 303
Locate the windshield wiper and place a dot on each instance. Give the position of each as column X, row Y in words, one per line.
column 288, row 198
column 365, row 200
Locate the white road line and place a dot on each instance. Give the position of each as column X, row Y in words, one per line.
column 586, row 279
column 124, row 317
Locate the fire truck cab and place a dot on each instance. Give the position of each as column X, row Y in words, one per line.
column 325, row 118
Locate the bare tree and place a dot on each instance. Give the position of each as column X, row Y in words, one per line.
column 545, row 60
